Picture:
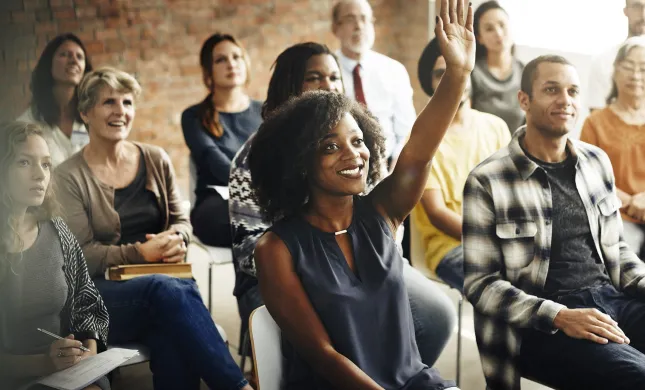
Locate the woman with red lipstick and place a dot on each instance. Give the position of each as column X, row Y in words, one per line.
column 329, row 269
column 54, row 105
column 497, row 74
column 215, row 130
column 618, row 130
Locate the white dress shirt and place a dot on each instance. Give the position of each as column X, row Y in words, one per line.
column 388, row 94
column 61, row 147
column 600, row 78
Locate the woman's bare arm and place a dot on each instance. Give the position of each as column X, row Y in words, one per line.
column 286, row 300
column 400, row 192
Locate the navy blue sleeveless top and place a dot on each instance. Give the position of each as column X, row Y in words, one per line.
column 366, row 314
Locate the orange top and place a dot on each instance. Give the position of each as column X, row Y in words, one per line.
column 625, row 146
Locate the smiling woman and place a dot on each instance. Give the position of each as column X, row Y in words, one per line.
column 121, row 202
column 54, row 104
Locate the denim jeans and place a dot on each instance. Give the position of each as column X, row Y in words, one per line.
column 562, row 362
column 451, row 268
column 433, row 313
column 169, row 317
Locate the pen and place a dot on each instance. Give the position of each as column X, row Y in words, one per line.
column 59, row 338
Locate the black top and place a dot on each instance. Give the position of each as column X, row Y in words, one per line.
column 575, row 263
column 212, row 156
column 368, row 319
column 138, row 209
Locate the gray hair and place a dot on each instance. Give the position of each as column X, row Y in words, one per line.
column 623, row 52
column 93, row 82
column 335, row 11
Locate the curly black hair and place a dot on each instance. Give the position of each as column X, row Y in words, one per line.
column 284, row 148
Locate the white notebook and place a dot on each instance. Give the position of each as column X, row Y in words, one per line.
column 89, row 370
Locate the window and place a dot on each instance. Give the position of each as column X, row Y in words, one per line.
column 578, row 26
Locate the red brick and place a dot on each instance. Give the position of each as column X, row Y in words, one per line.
column 46, row 27
column 61, row 3
column 86, row 12
column 114, row 45
column 64, row 13
column 20, row 17
column 102, row 35
column 94, row 47
column 130, row 32
column 69, row 25
column 31, row 5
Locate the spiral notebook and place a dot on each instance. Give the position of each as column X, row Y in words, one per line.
column 89, row 370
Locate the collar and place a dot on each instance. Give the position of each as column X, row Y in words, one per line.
column 524, row 164
column 349, row 64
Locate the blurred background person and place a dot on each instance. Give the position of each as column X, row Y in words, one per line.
column 498, row 73
column 215, row 130
column 54, row 104
column 618, row 130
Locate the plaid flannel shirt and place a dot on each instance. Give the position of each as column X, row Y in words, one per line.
column 507, row 230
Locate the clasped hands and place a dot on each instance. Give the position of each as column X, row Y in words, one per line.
column 168, row 247
column 635, row 207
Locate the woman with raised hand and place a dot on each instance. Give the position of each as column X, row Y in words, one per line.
column 215, row 130
column 329, row 270
column 497, row 74
column 121, row 202
column 43, row 276
column 300, row 68
column 54, row 103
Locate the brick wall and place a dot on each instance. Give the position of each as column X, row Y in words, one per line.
column 159, row 41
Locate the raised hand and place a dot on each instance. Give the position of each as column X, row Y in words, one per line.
column 455, row 34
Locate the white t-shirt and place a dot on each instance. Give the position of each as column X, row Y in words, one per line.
column 61, row 146
column 600, row 78
column 388, row 94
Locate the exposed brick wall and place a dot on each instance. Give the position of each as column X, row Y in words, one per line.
column 159, row 41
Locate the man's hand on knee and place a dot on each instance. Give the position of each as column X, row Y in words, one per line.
column 589, row 324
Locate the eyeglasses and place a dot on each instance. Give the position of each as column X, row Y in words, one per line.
column 354, row 19
column 629, row 67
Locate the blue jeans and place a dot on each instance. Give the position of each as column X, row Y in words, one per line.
column 562, row 362
column 451, row 268
column 433, row 313
column 169, row 317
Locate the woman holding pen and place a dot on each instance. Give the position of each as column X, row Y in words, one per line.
column 43, row 275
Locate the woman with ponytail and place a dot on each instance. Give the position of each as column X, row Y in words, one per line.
column 215, row 129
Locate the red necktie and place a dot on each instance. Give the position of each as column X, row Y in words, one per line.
column 358, row 86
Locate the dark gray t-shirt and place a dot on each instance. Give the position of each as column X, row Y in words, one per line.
column 574, row 262
column 498, row 97
column 34, row 292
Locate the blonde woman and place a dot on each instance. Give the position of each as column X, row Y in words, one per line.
column 43, row 276
column 121, row 201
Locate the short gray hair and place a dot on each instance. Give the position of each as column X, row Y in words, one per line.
column 335, row 11
column 623, row 52
column 92, row 83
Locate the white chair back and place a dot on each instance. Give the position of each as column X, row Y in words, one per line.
column 267, row 349
column 192, row 181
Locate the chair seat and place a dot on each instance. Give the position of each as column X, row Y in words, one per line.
column 144, row 352
column 217, row 254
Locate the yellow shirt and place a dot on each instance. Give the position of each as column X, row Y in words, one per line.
column 457, row 155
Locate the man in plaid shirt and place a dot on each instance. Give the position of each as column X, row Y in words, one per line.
column 558, row 295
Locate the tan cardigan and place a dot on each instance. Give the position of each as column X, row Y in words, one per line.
column 88, row 208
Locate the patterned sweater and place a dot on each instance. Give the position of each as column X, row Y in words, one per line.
column 246, row 221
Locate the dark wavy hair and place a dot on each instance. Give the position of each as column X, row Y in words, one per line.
column 43, row 104
column 283, row 151
column 11, row 135
column 481, row 51
column 289, row 73
column 207, row 111
column 429, row 57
